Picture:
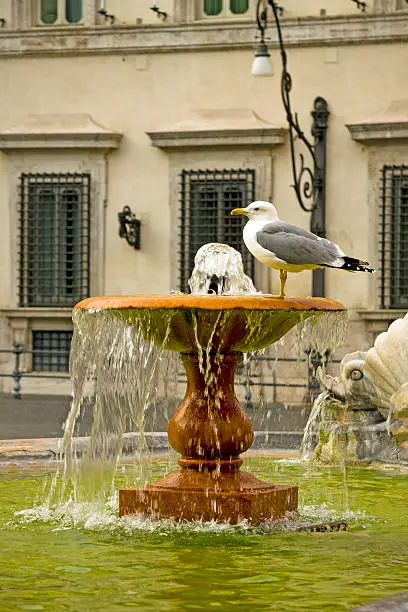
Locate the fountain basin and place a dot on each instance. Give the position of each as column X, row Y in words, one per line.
column 210, row 429
column 231, row 323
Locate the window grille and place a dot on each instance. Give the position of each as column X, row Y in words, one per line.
column 54, row 239
column 51, row 351
column 207, row 198
column 394, row 237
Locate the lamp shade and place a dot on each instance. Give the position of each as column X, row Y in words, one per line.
column 262, row 64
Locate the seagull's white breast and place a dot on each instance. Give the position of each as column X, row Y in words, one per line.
column 249, row 234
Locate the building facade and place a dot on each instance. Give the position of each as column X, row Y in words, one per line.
column 111, row 104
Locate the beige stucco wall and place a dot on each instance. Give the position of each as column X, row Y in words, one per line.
column 135, row 91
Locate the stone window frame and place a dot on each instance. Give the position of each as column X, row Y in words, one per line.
column 385, row 138
column 27, row 14
column 189, row 11
column 54, row 144
column 61, row 15
column 389, row 6
column 214, row 139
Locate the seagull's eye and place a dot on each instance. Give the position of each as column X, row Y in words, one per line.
column 256, row 208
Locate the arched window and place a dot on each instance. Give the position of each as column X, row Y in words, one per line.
column 49, row 11
column 224, row 8
column 239, row 6
column 212, row 7
column 60, row 11
column 73, row 10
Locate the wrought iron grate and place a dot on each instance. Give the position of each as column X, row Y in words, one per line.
column 393, row 243
column 51, row 351
column 206, row 200
column 54, row 224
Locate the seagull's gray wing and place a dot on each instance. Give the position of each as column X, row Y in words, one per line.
column 297, row 246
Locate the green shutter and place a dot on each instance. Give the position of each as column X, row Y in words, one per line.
column 49, row 11
column 212, row 7
column 73, row 10
column 239, row 6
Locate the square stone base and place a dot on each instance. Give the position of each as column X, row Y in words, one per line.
column 255, row 505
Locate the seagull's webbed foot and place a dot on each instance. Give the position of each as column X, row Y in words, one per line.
column 281, row 296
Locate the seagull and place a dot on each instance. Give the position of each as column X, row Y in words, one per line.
column 288, row 248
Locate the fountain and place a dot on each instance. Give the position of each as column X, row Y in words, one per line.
column 209, row 429
column 361, row 415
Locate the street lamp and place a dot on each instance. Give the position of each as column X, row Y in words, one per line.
column 309, row 180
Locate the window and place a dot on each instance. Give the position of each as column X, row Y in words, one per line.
column 54, row 239
column 394, row 237
column 51, row 351
column 207, row 198
column 225, row 8
column 60, row 11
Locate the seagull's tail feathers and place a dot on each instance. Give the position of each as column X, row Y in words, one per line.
column 356, row 265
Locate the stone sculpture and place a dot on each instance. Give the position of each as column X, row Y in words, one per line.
column 364, row 411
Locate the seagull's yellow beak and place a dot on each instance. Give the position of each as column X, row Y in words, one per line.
column 238, row 211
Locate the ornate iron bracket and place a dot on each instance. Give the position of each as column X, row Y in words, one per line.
column 160, row 14
column 129, row 227
column 308, row 180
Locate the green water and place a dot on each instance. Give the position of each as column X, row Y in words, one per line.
column 101, row 562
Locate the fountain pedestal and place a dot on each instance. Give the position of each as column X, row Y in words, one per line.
column 210, row 429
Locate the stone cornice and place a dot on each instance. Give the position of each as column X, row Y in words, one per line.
column 76, row 131
column 81, row 40
column 390, row 124
column 385, row 130
column 37, row 313
column 219, row 128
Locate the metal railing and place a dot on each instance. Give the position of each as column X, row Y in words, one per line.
column 18, row 373
column 247, row 376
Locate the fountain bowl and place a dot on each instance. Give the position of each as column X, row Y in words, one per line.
column 210, row 429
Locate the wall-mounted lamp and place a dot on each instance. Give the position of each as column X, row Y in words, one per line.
column 129, row 227
column 160, row 14
column 108, row 16
column 102, row 11
column 2, row 22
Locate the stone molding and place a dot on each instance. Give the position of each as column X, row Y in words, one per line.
column 378, row 320
column 219, row 128
column 59, row 132
column 387, row 130
column 388, row 125
column 37, row 313
column 118, row 39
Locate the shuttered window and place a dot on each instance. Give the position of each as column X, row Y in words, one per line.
column 54, row 239
column 394, row 237
column 51, row 351
column 207, row 198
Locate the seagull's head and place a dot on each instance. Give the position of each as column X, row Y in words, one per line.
column 258, row 211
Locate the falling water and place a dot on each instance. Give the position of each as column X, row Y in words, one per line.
column 118, row 360
column 113, row 365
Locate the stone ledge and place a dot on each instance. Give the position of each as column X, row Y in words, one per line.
column 75, row 131
column 391, row 124
column 378, row 320
column 356, row 29
column 37, row 313
column 47, row 448
column 367, row 132
column 219, row 128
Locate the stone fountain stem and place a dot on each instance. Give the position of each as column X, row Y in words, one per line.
column 210, row 429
